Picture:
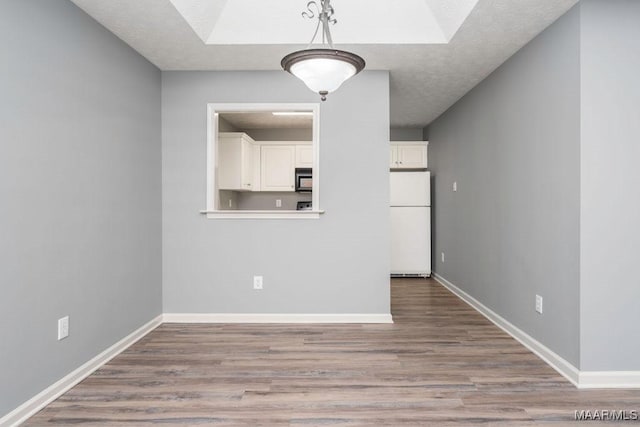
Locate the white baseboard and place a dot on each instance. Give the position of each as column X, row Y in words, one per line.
column 609, row 379
column 584, row 379
column 42, row 399
column 563, row 367
column 274, row 318
column 581, row 379
column 51, row 393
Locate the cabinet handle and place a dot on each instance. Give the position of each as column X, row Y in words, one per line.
column 248, row 185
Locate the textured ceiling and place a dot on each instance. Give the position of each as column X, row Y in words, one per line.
column 426, row 79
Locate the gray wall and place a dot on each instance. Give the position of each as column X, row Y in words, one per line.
column 406, row 134
column 80, row 216
column 610, row 234
column 337, row 264
column 225, row 196
column 511, row 231
column 266, row 200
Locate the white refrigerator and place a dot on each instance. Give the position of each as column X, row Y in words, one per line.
column 410, row 223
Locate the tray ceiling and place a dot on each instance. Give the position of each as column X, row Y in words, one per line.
column 360, row 21
column 468, row 41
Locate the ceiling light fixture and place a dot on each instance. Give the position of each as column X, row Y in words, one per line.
column 322, row 70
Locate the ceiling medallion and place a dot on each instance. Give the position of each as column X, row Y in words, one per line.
column 322, row 70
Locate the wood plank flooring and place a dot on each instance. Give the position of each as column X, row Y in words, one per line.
column 439, row 364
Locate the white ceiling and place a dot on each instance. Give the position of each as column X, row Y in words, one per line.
column 426, row 78
column 266, row 120
column 361, row 21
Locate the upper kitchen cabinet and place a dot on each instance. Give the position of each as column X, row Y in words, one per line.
column 235, row 161
column 408, row 155
column 304, row 156
column 261, row 160
column 277, row 167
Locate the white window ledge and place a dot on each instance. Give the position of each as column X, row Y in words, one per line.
column 281, row 214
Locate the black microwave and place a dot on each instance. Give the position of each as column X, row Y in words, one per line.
column 304, row 180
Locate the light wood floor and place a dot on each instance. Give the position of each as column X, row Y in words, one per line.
column 440, row 364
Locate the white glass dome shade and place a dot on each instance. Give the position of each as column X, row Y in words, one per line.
column 323, row 70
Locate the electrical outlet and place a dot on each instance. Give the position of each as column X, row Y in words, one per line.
column 455, row 186
column 278, row 203
column 257, row 282
column 63, row 327
column 539, row 304
column 442, row 256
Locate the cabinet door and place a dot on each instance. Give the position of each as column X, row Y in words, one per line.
column 412, row 156
column 229, row 164
column 304, row 156
column 235, row 164
column 277, row 168
column 393, row 157
column 246, row 166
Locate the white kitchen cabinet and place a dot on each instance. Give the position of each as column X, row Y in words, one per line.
column 408, row 155
column 393, row 156
column 277, row 167
column 235, row 161
column 304, row 156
